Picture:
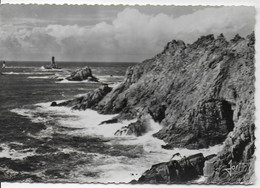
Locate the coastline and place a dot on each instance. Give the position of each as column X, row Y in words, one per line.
column 216, row 116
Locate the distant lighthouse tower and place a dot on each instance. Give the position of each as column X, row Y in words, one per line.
column 52, row 60
column 52, row 65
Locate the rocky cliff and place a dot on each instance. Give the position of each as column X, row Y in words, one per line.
column 202, row 93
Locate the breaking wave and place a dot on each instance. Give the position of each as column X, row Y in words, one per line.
column 39, row 77
column 26, row 73
column 65, row 81
column 19, row 67
column 13, row 154
column 105, row 168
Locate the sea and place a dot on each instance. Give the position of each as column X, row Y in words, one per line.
column 40, row 143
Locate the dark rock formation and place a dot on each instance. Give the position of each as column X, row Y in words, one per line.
column 89, row 100
column 175, row 171
column 114, row 120
column 202, row 93
column 82, row 74
column 138, row 128
column 207, row 124
column 54, row 103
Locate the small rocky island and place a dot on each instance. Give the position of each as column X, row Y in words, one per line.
column 82, row 74
column 202, row 94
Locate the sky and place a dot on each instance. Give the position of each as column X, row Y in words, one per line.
column 111, row 33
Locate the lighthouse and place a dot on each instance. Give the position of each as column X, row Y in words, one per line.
column 52, row 60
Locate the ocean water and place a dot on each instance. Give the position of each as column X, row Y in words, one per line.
column 40, row 143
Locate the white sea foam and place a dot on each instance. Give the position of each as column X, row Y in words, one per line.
column 114, row 85
column 65, row 81
column 19, row 67
column 108, row 77
column 87, row 121
column 7, row 152
column 155, row 152
column 102, row 78
column 118, row 169
column 109, row 168
column 26, row 73
column 202, row 179
column 80, row 95
column 51, row 70
column 88, row 124
column 39, row 77
column 23, row 112
column 31, row 114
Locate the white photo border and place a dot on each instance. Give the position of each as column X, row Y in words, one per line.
column 255, row 3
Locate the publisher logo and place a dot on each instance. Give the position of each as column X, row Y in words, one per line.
column 234, row 168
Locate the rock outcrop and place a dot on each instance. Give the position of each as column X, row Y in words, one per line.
column 82, row 74
column 89, row 100
column 138, row 128
column 202, row 93
column 175, row 171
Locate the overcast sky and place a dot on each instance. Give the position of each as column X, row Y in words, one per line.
column 110, row 33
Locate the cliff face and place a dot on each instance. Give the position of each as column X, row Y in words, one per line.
column 203, row 94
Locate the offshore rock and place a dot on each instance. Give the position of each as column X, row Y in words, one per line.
column 54, row 103
column 82, row 74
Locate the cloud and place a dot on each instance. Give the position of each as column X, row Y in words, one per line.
column 132, row 35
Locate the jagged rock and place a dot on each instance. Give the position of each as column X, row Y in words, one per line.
column 202, row 94
column 137, row 128
column 209, row 157
column 82, row 74
column 158, row 112
column 54, row 103
column 89, row 100
column 237, row 38
column 207, row 124
column 59, row 79
column 114, row 120
column 175, row 171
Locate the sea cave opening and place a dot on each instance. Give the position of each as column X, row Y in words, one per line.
column 228, row 115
